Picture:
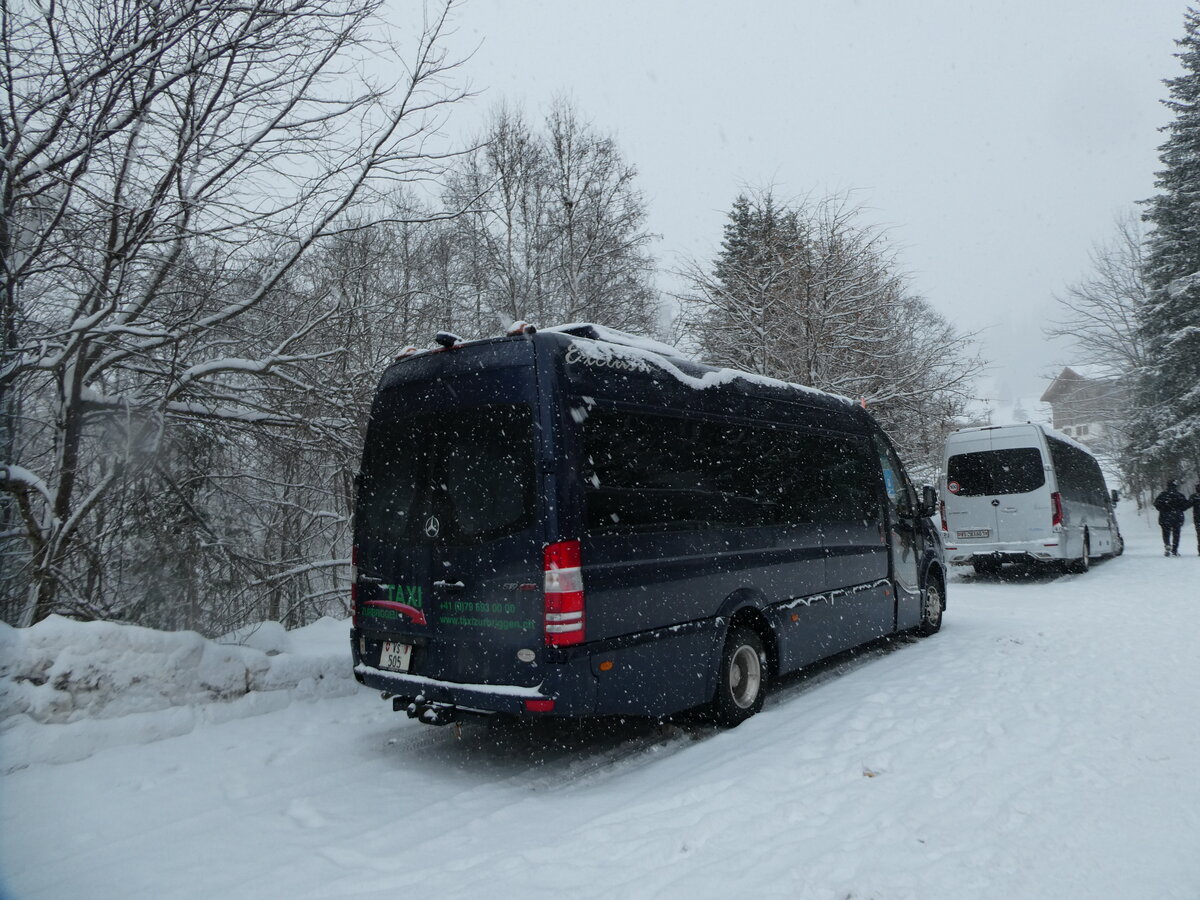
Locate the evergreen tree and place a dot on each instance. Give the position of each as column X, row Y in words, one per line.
column 750, row 322
column 806, row 292
column 1168, row 392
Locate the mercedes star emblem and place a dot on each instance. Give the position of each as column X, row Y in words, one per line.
column 432, row 526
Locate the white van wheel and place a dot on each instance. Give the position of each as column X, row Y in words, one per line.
column 1084, row 563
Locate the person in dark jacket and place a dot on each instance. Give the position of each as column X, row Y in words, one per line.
column 1195, row 501
column 1171, row 505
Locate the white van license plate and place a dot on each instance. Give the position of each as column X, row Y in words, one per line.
column 395, row 657
column 975, row 533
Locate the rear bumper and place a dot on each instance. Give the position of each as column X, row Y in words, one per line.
column 494, row 697
column 649, row 674
column 569, row 686
column 965, row 554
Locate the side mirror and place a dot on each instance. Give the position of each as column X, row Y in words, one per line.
column 929, row 500
column 1116, row 495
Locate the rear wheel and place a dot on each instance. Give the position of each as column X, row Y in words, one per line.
column 931, row 608
column 1081, row 565
column 742, row 679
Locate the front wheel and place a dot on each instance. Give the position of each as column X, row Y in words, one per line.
column 742, row 679
column 931, row 609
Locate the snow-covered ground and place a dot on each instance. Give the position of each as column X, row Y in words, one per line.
column 1045, row 745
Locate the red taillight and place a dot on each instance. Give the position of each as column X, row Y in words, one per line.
column 1056, row 506
column 539, row 706
column 942, row 509
column 563, row 587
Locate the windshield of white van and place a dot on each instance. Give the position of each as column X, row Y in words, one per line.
column 1015, row 471
column 462, row 476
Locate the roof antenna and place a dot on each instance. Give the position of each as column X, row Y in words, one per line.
column 447, row 339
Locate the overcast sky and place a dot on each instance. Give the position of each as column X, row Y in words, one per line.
column 998, row 141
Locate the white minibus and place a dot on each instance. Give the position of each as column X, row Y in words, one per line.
column 1024, row 493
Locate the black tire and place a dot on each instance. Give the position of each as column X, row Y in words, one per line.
column 987, row 565
column 932, row 605
column 1084, row 563
column 742, row 678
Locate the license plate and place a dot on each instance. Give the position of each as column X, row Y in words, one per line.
column 395, row 657
column 975, row 533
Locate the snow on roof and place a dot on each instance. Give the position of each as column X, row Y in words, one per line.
column 641, row 353
column 1093, row 372
column 615, row 336
column 1043, row 427
column 1066, row 439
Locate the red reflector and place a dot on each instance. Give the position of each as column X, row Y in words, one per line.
column 539, row 705
column 563, row 588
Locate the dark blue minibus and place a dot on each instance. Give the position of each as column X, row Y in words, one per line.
column 579, row 522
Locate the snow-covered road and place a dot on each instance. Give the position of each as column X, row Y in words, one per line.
column 1045, row 744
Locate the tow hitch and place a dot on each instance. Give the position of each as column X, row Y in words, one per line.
column 427, row 711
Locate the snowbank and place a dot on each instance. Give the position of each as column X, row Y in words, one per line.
column 70, row 688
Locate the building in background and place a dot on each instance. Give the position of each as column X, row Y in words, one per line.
column 1087, row 404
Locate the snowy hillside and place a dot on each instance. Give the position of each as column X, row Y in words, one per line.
column 1043, row 745
column 996, row 405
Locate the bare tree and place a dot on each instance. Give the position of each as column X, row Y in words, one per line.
column 1099, row 314
column 1100, row 317
column 603, row 269
column 555, row 229
column 165, row 167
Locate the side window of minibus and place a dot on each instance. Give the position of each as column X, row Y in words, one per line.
column 847, row 488
column 894, row 482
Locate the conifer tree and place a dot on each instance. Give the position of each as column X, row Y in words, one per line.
column 1168, row 391
column 807, row 292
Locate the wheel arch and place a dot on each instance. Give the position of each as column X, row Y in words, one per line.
column 749, row 608
column 935, row 568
